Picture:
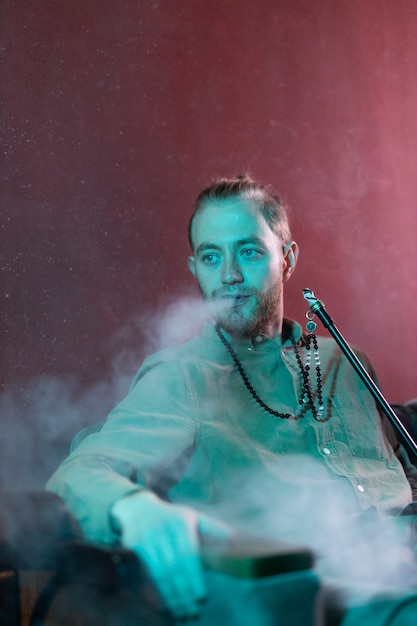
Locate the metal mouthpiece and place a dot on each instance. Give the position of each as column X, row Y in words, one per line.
column 314, row 303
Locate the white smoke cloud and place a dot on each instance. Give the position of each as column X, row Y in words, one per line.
column 181, row 320
column 40, row 418
column 39, row 421
column 361, row 553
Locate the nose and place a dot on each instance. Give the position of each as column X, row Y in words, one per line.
column 231, row 272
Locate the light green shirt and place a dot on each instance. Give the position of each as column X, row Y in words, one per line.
column 190, row 430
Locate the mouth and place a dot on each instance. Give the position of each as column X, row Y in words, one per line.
column 235, row 300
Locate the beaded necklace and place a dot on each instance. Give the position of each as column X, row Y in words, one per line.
column 306, row 400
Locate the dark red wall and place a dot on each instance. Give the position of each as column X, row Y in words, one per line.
column 115, row 114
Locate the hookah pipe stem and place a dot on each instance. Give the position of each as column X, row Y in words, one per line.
column 317, row 307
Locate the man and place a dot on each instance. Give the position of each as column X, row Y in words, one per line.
column 246, row 427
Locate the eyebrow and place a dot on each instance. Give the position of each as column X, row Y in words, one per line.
column 206, row 245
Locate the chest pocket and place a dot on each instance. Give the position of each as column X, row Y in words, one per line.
column 358, row 424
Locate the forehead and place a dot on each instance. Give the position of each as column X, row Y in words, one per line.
column 230, row 219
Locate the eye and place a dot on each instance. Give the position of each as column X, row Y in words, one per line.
column 251, row 253
column 210, row 258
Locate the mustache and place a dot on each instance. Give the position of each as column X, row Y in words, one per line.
column 226, row 292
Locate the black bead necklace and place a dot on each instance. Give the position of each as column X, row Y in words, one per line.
column 306, row 400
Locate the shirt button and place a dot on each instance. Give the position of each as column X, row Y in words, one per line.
column 361, row 488
column 326, row 451
column 259, row 339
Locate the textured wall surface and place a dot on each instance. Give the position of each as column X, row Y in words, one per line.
column 115, row 114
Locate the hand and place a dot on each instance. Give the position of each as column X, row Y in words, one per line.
column 166, row 538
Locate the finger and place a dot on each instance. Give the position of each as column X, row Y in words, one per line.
column 175, row 567
column 161, row 572
column 187, row 586
column 187, row 578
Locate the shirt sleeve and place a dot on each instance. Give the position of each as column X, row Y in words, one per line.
column 144, row 435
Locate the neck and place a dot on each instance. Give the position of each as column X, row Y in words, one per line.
column 271, row 330
column 249, row 338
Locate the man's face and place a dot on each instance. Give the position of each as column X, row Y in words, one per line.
column 240, row 265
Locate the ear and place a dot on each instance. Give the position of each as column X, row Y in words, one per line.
column 290, row 252
column 191, row 265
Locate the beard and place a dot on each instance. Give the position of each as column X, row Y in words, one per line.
column 248, row 313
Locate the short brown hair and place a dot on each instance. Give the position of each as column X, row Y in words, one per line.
column 245, row 188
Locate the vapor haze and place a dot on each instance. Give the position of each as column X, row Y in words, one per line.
column 39, row 421
column 40, row 418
